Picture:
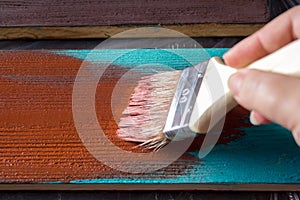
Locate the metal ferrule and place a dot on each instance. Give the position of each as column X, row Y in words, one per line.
column 177, row 123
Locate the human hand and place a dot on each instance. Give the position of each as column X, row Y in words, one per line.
column 270, row 96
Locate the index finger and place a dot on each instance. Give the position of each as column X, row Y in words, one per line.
column 274, row 35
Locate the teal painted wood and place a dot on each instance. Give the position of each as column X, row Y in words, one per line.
column 265, row 154
column 173, row 58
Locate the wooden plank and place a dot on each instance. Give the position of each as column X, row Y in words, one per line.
column 39, row 142
column 117, row 12
column 192, row 30
column 152, row 187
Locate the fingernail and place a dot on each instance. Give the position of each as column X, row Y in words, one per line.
column 253, row 119
column 226, row 55
column 296, row 136
column 235, row 82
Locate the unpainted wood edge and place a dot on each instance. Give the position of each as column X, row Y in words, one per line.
column 85, row 32
column 154, row 187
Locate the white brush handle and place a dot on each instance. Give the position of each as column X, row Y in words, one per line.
column 283, row 61
column 215, row 98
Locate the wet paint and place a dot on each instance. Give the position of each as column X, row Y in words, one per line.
column 39, row 143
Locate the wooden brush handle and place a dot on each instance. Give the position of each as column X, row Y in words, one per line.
column 209, row 107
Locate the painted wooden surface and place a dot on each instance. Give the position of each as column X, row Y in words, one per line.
column 39, row 142
column 117, row 12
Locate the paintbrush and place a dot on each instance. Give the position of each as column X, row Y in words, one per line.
column 179, row 104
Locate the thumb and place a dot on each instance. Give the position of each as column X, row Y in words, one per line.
column 276, row 97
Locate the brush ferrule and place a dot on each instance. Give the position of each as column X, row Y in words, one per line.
column 177, row 123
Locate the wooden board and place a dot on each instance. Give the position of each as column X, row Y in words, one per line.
column 117, row 12
column 41, row 148
column 72, row 19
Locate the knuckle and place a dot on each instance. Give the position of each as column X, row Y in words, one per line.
column 294, row 10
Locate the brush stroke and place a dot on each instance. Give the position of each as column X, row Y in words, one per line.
column 175, row 58
column 264, row 154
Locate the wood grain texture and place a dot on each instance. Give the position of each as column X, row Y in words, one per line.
column 118, row 12
column 77, row 32
column 39, row 142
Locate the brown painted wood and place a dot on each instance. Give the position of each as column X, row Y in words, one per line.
column 38, row 139
column 192, row 30
column 39, row 142
column 117, row 12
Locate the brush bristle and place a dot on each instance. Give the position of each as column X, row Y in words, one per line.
column 145, row 116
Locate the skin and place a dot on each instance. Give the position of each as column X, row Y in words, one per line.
column 270, row 96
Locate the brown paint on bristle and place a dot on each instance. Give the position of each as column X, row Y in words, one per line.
column 145, row 116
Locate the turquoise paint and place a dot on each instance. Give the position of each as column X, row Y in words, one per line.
column 264, row 154
column 173, row 58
